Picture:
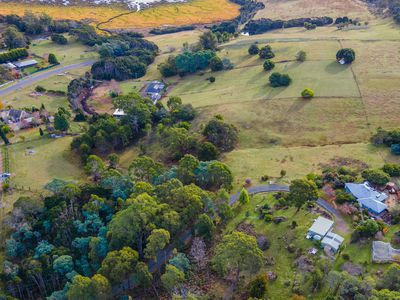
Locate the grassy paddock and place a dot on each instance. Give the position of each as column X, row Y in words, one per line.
column 275, row 9
column 298, row 161
column 52, row 159
column 293, row 122
column 326, row 78
column 71, row 53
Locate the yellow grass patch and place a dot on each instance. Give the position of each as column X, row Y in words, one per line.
column 193, row 12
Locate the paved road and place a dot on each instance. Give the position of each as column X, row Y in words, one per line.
column 260, row 189
column 29, row 80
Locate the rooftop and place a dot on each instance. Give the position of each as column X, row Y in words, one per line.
column 26, row 63
column 321, row 226
column 364, row 190
column 372, row 204
column 332, row 240
column 155, row 87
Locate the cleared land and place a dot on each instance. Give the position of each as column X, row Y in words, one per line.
column 51, row 159
column 299, row 161
column 193, row 12
column 73, row 52
column 285, row 10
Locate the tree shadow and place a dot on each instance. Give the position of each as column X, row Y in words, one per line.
column 336, row 68
column 298, row 105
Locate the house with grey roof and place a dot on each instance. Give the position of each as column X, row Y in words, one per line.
column 368, row 197
column 154, row 90
column 321, row 230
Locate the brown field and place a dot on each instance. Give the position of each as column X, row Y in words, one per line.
column 278, row 9
column 193, row 12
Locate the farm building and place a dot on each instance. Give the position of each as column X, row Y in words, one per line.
column 25, row 63
column 368, row 197
column 321, row 230
column 154, row 90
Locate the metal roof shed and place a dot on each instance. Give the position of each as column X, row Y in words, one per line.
column 321, row 227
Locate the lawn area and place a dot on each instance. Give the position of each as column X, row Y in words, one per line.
column 299, row 161
column 293, row 122
column 73, row 52
column 25, row 97
column 52, row 158
column 279, row 236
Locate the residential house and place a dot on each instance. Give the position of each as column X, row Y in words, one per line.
column 368, row 197
column 18, row 119
column 154, row 90
column 321, row 230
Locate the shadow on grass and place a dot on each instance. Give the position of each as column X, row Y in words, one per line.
column 298, row 105
column 336, row 68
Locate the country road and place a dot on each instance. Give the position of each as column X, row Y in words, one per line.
column 42, row 75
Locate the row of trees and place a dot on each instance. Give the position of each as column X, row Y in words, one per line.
column 13, row 55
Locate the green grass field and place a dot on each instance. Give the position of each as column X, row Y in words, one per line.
column 299, row 161
column 51, row 159
column 68, row 54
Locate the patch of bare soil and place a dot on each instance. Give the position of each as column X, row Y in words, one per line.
column 100, row 100
column 338, row 161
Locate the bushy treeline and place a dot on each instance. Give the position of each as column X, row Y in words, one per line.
column 186, row 63
column 13, row 55
column 263, row 25
column 123, row 56
column 248, row 9
column 389, row 138
column 84, row 239
column 392, row 5
column 171, row 29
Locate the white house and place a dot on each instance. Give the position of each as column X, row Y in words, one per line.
column 321, row 230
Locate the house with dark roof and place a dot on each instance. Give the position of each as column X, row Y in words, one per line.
column 368, row 197
column 154, row 90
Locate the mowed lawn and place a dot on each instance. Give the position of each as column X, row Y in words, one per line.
column 299, row 161
column 293, row 122
column 73, row 52
column 52, row 158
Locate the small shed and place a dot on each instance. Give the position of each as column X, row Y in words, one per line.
column 332, row 240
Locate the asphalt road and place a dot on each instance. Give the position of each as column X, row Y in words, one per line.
column 29, row 80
